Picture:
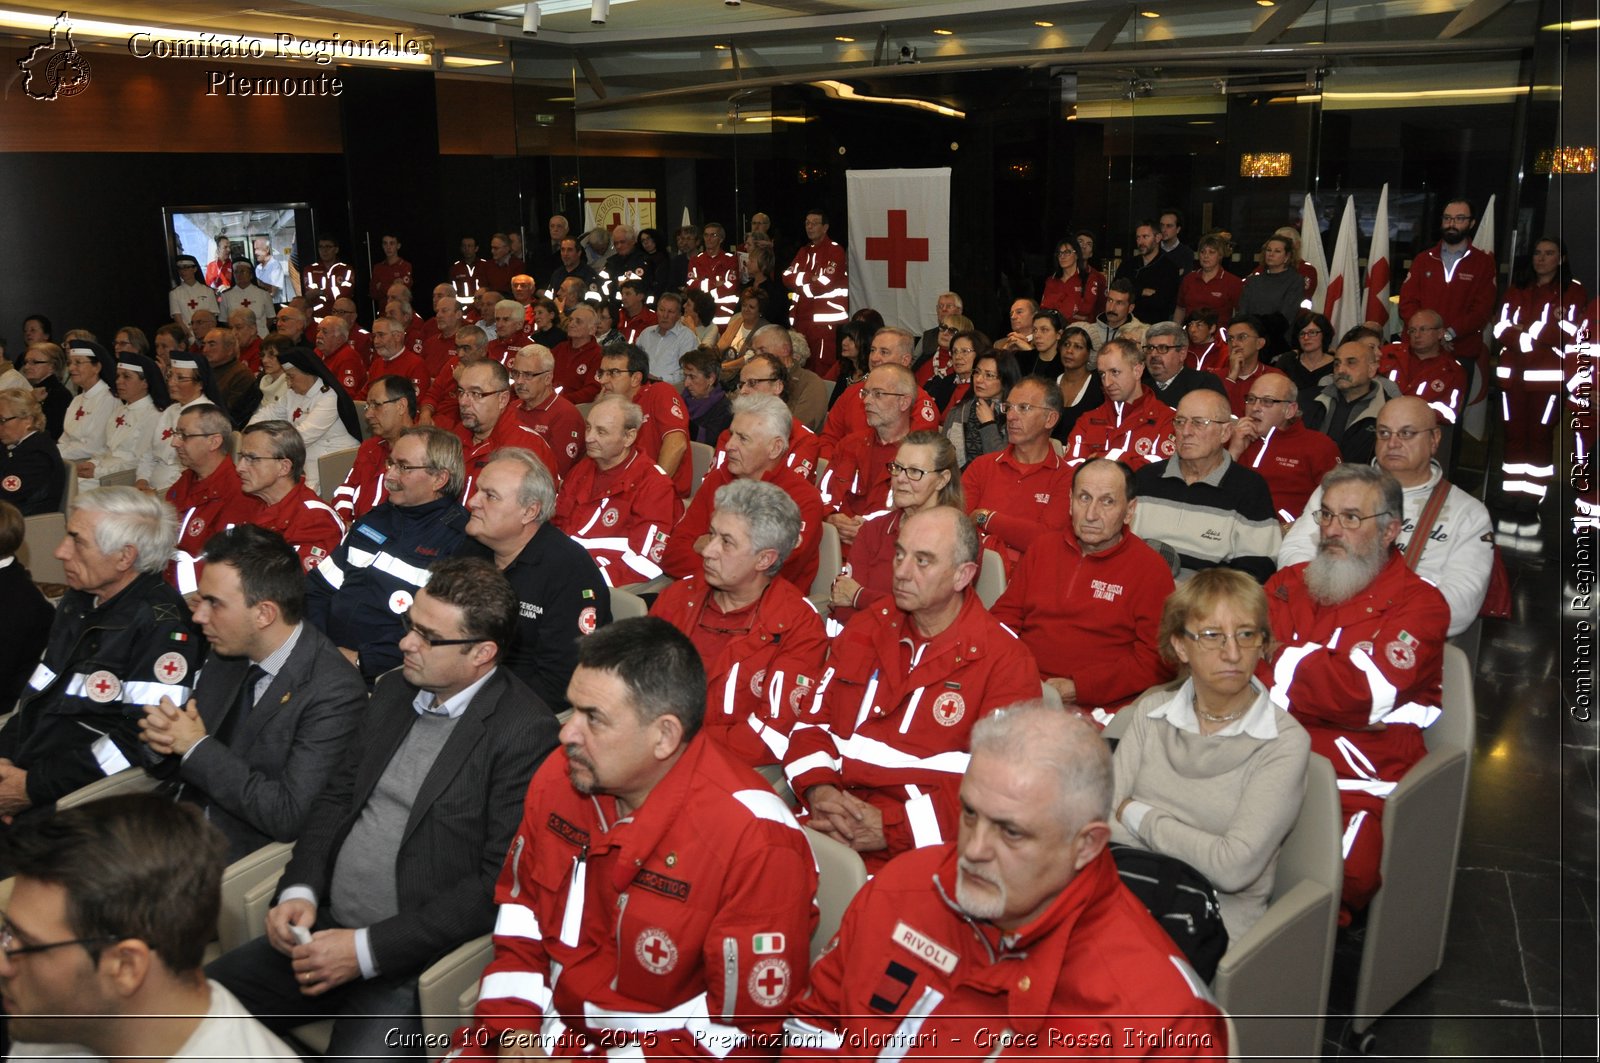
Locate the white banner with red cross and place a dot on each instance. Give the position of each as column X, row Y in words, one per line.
column 899, row 243
column 609, row 207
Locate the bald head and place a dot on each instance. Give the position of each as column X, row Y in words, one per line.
column 1425, row 331
column 1273, row 401
column 1408, row 437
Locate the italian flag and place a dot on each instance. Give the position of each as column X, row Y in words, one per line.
column 765, row 943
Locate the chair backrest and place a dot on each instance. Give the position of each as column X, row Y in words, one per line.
column 583, row 409
column 248, row 886
column 830, row 559
column 840, row 875
column 70, row 493
column 127, row 781
column 1456, row 726
column 1311, row 851
column 625, row 606
column 991, row 578
column 332, row 469
column 44, row 533
column 702, row 455
column 125, row 478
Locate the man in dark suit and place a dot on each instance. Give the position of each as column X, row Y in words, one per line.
column 274, row 705
column 1165, row 375
column 399, row 857
column 949, row 305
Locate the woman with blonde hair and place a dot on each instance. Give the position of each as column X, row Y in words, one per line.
column 32, row 475
column 1213, row 774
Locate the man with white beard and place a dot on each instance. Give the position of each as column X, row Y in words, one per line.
column 1359, row 648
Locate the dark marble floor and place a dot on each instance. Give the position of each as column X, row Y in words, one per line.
column 1519, row 975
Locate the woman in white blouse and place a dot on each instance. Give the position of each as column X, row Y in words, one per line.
column 1214, row 774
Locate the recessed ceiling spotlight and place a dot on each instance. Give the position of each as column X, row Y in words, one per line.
column 1042, row 24
column 945, row 33
column 845, row 40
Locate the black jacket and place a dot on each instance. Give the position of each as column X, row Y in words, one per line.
column 24, row 629
column 32, row 475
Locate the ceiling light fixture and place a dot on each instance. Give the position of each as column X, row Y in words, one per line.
column 1266, row 3
column 945, row 33
column 845, row 40
column 1042, row 24
column 1151, row 14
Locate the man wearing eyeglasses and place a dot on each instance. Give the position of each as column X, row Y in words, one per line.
column 357, row 594
column 857, row 486
column 1360, row 644
column 438, row 405
column 84, row 978
column 664, row 433
column 848, row 417
column 1132, row 425
column 1166, row 376
column 542, row 410
column 272, row 460
column 186, row 377
column 1200, row 502
column 1457, row 549
column 399, row 856
column 1022, row 491
column 391, row 357
column 208, row 497
column 484, row 393
column 390, row 408
column 1422, row 367
column 1457, row 281
column 349, row 369
column 1270, row 439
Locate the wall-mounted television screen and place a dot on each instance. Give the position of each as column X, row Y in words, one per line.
column 267, row 235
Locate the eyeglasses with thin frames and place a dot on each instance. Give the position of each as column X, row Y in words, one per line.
column 394, row 465
column 1249, row 638
column 9, row 939
column 910, row 472
column 1180, row 423
column 1347, row 521
column 1406, row 434
column 747, row 384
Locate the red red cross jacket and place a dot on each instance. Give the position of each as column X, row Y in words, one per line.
column 349, row 369
column 719, row 276
column 1093, row 976
column 848, row 417
column 756, row 682
column 204, row 507
column 680, row 931
column 507, row 432
column 1376, row 658
column 1292, row 459
column 306, row 522
column 805, row 449
column 890, row 723
column 577, row 368
column 559, row 424
column 1464, row 297
column 1438, row 381
column 622, row 516
column 681, row 559
column 1026, row 500
column 1136, row 432
column 1091, row 618
column 663, row 415
column 363, row 488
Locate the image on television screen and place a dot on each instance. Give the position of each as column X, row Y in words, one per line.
column 268, row 236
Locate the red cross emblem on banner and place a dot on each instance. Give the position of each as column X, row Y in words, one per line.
column 897, row 249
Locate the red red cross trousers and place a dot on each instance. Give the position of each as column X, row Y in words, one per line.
column 656, row 951
column 897, row 249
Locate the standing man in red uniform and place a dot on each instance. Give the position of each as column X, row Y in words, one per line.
column 1272, row 440
column 389, row 270
column 272, row 459
column 664, row 435
column 819, row 279
column 1458, row 281
column 501, row 266
column 717, row 272
column 658, row 898
column 762, row 642
column 877, row 755
column 328, row 278
column 1360, row 642
column 541, row 410
column 615, row 503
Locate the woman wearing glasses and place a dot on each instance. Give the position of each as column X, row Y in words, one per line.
column 938, row 364
column 1214, row 773
column 973, row 425
column 1076, row 289
column 923, row 475
column 966, row 347
column 32, row 476
column 1310, row 364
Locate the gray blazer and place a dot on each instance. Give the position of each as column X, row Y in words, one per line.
column 461, row 821
column 258, row 784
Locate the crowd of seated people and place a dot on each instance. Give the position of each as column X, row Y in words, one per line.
column 374, row 668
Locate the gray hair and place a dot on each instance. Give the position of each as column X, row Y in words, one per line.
column 632, row 415
column 213, row 420
column 444, row 455
column 129, row 517
column 1390, row 494
column 783, row 335
column 510, row 306
column 286, row 443
column 1169, row 330
column 775, row 416
column 538, row 488
column 800, row 349
column 1062, row 742
column 1125, row 347
column 543, row 359
column 336, row 324
column 773, row 516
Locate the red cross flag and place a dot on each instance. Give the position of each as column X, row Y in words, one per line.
column 899, row 243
